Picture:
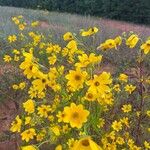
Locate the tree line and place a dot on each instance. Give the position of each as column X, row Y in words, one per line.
column 137, row 11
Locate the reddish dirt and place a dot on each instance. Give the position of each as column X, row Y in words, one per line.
column 7, row 68
column 7, row 114
column 7, row 111
column 45, row 24
column 8, row 145
column 126, row 27
column 111, row 24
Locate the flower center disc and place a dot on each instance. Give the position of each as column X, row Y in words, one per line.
column 77, row 77
column 30, row 67
column 90, row 96
column 75, row 115
column 85, row 143
column 43, row 80
column 96, row 83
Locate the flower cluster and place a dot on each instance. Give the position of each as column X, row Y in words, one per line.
column 68, row 104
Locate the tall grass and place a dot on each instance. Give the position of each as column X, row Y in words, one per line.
column 54, row 23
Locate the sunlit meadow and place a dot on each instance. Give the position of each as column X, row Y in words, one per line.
column 76, row 89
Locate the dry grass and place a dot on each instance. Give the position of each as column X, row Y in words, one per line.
column 53, row 23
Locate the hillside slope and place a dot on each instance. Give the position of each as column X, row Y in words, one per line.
column 62, row 22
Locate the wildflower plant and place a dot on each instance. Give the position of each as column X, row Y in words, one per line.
column 71, row 106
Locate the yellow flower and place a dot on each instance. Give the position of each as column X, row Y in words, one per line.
column 27, row 120
column 56, row 48
column 147, row 145
column 86, row 144
column 7, row 58
column 120, row 140
column 55, row 130
column 130, row 88
column 82, row 133
column 125, row 121
column 16, row 125
column 15, row 51
column 105, row 99
column 15, row 20
column 101, row 123
column 16, row 58
column 90, row 95
column 49, row 49
column 12, row 38
column 117, row 87
column 59, row 147
column 76, row 115
column 65, row 128
column 61, row 69
column 118, row 40
column 84, row 61
column 29, row 106
column 148, row 113
column 94, row 59
column 29, row 147
column 40, row 136
column 61, row 116
column 35, row 23
column 138, row 113
column 123, row 77
column 71, row 143
column 112, row 135
column 41, row 82
column 22, row 85
column 132, row 40
column 108, row 44
column 146, row 47
column 110, row 146
column 52, row 59
column 51, row 118
column 76, row 78
column 30, row 68
column 21, row 27
column 68, row 36
column 72, row 45
column 28, row 134
column 15, row 87
column 20, row 16
column 65, row 52
column 100, row 84
column 135, row 148
column 32, row 92
column 89, row 32
column 56, row 87
column 41, row 95
column 117, row 125
column 126, row 108
column 43, row 110
column 130, row 143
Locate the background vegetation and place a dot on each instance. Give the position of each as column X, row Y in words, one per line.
column 137, row 11
column 54, row 25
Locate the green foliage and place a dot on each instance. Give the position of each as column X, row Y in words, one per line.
column 136, row 11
